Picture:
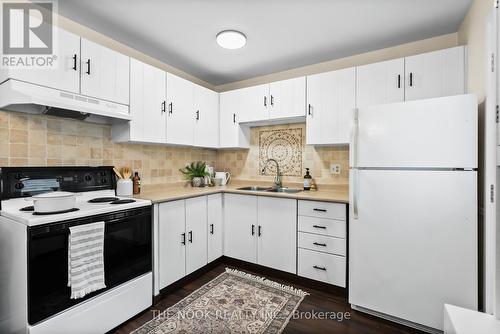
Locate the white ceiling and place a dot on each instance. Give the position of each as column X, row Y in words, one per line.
column 282, row 34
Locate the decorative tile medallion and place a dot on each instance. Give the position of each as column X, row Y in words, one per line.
column 283, row 145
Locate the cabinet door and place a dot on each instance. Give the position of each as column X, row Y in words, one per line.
column 104, row 73
column 240, row 227
column 214, row 207
column 180, row 120
column 277, row 233
column 380, row 83
column 253, row 103
column 172, row 240
column 147, row 103
column 206, row 116
column 435, row 74
column 66, row 74
column 232, row 134
column 331, row 100
column 196, row 233
column 287, row 98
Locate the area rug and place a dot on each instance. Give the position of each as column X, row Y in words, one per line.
column 233, row 302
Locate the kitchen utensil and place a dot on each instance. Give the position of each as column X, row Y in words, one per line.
column 117, row 172
column 53, row 201
column 124, row 187
column 126, row 172
column 225, row 176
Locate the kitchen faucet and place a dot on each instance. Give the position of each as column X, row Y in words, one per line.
column 277, row 180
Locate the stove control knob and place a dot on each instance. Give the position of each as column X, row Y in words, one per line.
column 18, row 176
column 104, row 180
column 88, row 177
column 19, row 185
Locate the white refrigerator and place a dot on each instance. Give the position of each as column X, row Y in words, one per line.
column 413, row 209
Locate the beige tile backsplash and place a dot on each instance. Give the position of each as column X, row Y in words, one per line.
column 36, row 140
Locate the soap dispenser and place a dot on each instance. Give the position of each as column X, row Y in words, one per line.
column 307, row 180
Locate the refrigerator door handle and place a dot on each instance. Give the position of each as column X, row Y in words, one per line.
column 355, row 193
column 355, row 130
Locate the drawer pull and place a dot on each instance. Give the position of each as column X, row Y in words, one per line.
column 319, row 268
column 319, row 226
column 319, row 244
column 320, row 210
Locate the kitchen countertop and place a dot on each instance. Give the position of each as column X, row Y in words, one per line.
column 171, row 192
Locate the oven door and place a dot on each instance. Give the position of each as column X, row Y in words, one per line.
column 127, row 254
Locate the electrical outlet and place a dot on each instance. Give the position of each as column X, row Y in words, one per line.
column 335, row 168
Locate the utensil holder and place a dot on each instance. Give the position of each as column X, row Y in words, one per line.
column 124, row 187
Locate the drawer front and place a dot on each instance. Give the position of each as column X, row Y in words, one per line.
column 322, row 210
column 322, row 267
column 322, row 243
column 328, row 227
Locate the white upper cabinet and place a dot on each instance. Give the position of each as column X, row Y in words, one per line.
column 331, row 100
column 232, row 135
column 380, row 83
column 66, row 74
column 434, row 74
column 180, row 112
column 104, row 73
column 287, row 98
column 147, row 106
column 253, row 103
column 206, row 116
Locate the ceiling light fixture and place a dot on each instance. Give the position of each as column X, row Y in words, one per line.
column 231, row 39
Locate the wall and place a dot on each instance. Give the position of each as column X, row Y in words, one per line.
column 403, row 50
column 473, row 33
column 244, row 164
column 33, row 140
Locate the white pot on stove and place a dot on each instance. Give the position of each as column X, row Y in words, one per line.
column 53, row 201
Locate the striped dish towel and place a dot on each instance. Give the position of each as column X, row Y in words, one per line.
column 86, row 259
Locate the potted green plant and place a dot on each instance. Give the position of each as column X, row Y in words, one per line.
column 195, row 172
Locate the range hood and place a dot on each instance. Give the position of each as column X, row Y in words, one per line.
column 26, row 97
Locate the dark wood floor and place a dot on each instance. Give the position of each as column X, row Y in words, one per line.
column 318, row 300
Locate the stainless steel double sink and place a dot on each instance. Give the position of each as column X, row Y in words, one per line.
column 271, row 189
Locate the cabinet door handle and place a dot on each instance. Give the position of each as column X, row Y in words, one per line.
column 320, row 210
column 265, row 101
column 163, row 106
column 319, row 244
column 88, row 66
column 183, row 241
column 399, row 80
column 319, row 226
column 253, row 229
column 234, row 118
column 170, row 107
column 411, row 79
column 191, row 236
column 211, row 228
column 309, row 107
column 272, row 100
column 197, row 115
column 260, row 230
column 319, row 268
column 74, row 62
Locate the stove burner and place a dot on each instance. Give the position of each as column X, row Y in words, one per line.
column 123, row 201
column 103, row 199
column 55, row 212
column 28, row 208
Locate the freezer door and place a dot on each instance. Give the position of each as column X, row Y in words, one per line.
column 432, row 133
column 413, row 246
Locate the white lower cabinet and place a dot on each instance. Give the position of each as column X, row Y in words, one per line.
column 322, row 247
column 240, row 224
column 277, row 233
column 261, row 230
column 182, row 241
column 215, row 227
column 196, row 233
